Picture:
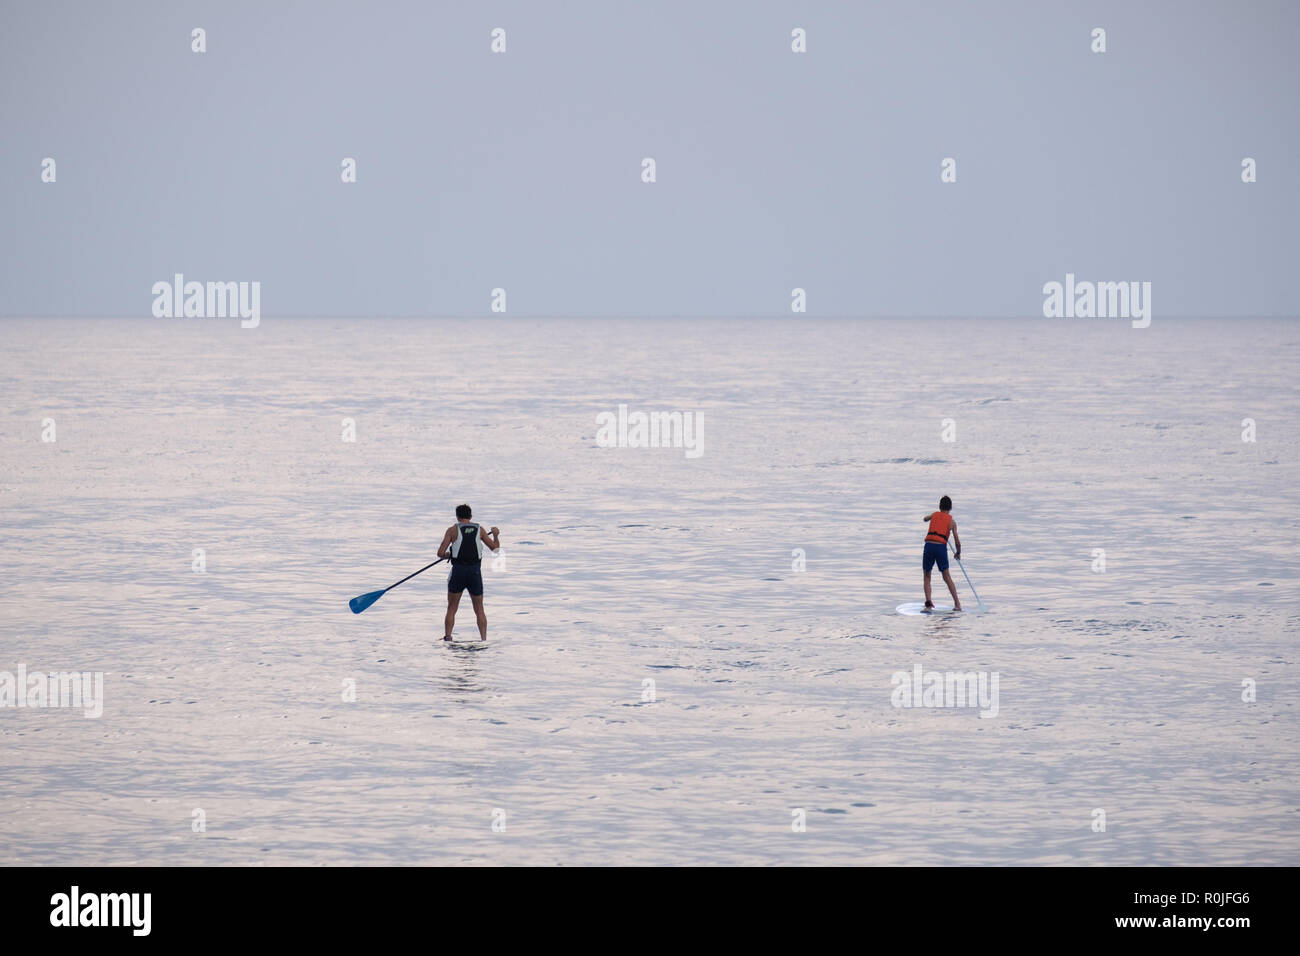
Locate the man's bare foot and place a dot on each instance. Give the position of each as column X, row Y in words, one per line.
column 956, row 607
column 446, row 637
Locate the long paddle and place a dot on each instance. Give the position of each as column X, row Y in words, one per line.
column 967, row 577
column 359, row 604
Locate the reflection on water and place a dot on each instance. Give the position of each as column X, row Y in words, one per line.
column 946, row 625
column 461, row 679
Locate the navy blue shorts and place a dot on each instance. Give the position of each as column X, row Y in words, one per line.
column 935, row 553
column 469, row 576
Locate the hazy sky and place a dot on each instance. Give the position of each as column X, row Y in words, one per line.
column 775, row 169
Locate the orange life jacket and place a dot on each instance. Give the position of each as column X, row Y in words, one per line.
column 940, row 525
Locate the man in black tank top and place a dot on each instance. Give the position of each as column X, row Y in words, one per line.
column 463, row 546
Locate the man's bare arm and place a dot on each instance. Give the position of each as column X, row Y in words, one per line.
column 447, row 539
column 956, row 541
column 493, row 538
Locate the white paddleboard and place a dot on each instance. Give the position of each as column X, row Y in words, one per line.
column 918, row 607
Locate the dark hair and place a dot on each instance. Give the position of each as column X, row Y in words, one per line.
column 463, row 512
column 945, row 504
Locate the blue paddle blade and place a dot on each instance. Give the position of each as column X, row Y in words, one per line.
column 359, row 604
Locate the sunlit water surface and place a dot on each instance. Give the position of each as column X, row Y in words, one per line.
column 1120, row 691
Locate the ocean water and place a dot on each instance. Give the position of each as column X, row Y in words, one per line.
column 1120, row 691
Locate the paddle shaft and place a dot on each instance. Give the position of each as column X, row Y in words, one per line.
column 967, row 577
column 426, row 568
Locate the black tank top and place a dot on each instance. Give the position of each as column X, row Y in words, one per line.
column 465, row 549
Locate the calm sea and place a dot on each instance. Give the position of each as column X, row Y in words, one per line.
column 694, row 658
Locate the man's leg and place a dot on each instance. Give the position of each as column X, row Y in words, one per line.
column 956, row 601
column 477, row 600
column 927, row 588
column 453, row 602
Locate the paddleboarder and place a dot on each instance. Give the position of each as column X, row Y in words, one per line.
column 936, row 549
column 463, row 546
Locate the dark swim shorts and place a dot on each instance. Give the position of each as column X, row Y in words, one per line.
column 470, row 576
column 935, row 553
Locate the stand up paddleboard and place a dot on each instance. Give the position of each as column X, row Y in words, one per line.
column 918, row 607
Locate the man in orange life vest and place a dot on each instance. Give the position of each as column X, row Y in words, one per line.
column 936, row 549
